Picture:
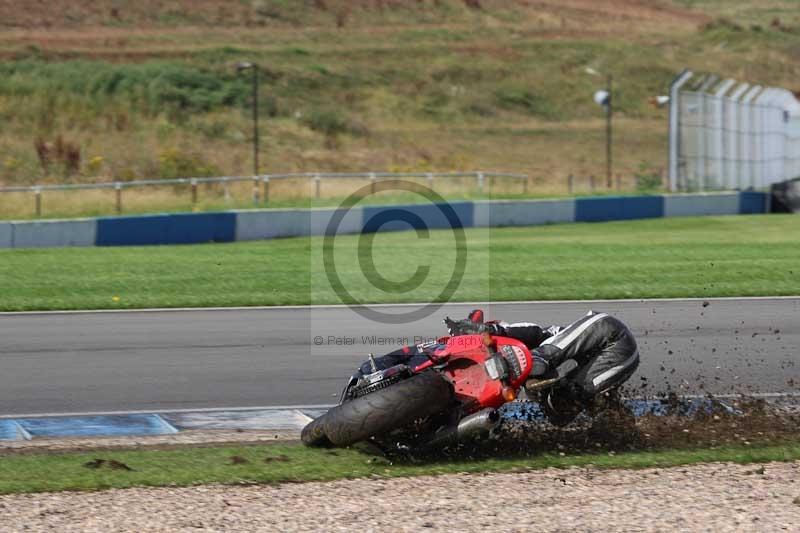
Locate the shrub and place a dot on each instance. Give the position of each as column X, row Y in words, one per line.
column 524, row 99
column 435, row 105
column 94, row 165
column 480, row 109
column 648, row 179
column 11, row 166
column 156, row 84
column 212, row 130
column 327, row 121
column 174, row 163
column 723, row 24
column 332, row 123
column 61, row 155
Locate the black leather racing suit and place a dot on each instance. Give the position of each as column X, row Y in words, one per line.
column 604, row 348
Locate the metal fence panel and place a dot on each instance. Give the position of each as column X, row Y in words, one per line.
column 729, row 136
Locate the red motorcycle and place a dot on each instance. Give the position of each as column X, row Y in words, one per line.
column 455, row 394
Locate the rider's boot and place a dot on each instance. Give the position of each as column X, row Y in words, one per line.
column 562, row 405
column 609, row 412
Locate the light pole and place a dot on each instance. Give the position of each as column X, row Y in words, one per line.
column 247, row 65
column 604, row 99
column 609, row 130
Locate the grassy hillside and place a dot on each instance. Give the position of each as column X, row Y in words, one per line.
column 106, row 90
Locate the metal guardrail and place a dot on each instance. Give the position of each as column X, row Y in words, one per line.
column 260, row 183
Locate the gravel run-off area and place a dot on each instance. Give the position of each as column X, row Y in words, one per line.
column 712, row 497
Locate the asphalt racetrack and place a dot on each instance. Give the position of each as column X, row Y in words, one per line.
column 121, row 361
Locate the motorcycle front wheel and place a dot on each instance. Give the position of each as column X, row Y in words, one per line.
column 380, row 412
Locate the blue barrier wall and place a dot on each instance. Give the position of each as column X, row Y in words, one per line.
column 431, row 216
column 618, row 208
column 246, row 225
column 190, row 228
column 751, row 203
column 131, row 230
column 198, row 228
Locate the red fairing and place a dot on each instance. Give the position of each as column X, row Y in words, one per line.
column 464, row 357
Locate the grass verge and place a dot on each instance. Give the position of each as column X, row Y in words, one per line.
column 680, row 257
column 295, row 463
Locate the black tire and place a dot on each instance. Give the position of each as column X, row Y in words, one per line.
column 560, row 407
column 313, row 434
column 387, row 409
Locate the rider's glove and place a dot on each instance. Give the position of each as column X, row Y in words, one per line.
column 468, row 327
column 540, row 367
column 546, row 359
column 461, row 327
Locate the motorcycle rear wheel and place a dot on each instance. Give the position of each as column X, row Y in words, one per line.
column 380, row 412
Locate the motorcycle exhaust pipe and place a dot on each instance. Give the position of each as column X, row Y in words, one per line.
column 482, row 421
column 485, row 420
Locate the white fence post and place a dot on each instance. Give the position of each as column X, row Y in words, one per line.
column 193, row 184
column 265, row 187
column 255, row 190
column 118, row 195
column 37, row 192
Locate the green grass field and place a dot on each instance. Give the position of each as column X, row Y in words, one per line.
column 679, row 257
column 294, row 463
